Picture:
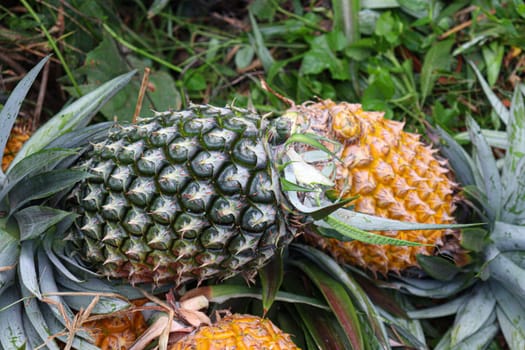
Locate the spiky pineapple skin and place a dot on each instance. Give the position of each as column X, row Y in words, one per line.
column 393, row 174
column 187, row 195
column 237, row 332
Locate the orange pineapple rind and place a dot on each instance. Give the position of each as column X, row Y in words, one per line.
column 393, row 174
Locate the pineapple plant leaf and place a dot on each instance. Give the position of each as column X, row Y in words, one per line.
column 10, row 110
column 492, row 288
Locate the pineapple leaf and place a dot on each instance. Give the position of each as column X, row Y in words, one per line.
column 490, row 181
column 442, row 310
column 431, row 288
column 514, row 335
column 438, row 267
column 288, row 186
column 105, row 305
column 12, row 335
column 49, row 289
column 35, row 220
column 38, row 162
column 473, row 314
column 221, row 293
column 9, row 113
column 271, row 276
column 510, row 313
column 339, row 301
column 474, row 239
column 358, row 294
column 478, row 340
column 47, row 244
column 43, row 185
column 514, row 199
column 508, row 237
column 27, row 269
column 37, row 319
column 9, row 252
column 346, row 232
column 500, row 109
column 457, row 157
column 495, row 138
column 376, row 223
column 312, row 140
column 75, row 116
column 506, row 271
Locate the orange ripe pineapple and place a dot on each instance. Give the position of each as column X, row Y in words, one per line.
column 237, row 332
column 394, row 174
column 19, row 135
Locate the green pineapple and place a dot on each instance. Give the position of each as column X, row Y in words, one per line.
column 181, row 196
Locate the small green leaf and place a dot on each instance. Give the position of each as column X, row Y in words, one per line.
column 436, row 59
column 500, row 109
column 271, row 276
column 287, row 186
column 474, row 239
column 493, row 57
column 244, row 57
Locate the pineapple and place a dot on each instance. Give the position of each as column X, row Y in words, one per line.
column 237, row 331
column 19, row 135
column 394, row 176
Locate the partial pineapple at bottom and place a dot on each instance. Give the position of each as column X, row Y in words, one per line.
column 394, row 175
column 237, row 331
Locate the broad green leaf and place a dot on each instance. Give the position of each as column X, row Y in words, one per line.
column 322, row 57
column 35, row 220
column 9, row 112
column 493, row 57
column 257, row 42
column 27, row 270
column 473, row 314
column 76, row 115
column 490, row 181
column 244, row 57
column 339, row 301
column 12, row 335
column 436, row 59
column 500, row 109
column 43, row 185
column 474, row 239
column 271, row 276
